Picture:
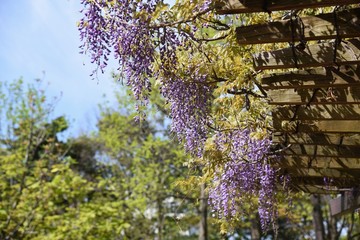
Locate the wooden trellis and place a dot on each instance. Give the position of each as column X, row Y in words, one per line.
column 316, row 121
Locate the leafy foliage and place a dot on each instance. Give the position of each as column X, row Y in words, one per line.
column 149, row 165
column 42, row 195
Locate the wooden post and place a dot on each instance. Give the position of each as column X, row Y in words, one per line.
column 344, row 204
column 318, row 220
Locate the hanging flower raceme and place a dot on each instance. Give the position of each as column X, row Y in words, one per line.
column 189, row 109
column 247, row 172
column 122, row 27
column 146, row 45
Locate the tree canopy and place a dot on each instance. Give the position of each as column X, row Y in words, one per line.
column 109, row 185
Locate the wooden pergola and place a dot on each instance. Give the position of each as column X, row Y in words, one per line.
column 316, row 120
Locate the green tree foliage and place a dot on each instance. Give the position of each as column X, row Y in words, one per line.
column 149, row 165
column 42, row 196
column 118, row 183
column 29, row 149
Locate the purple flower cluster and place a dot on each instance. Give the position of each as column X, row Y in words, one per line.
column 247, row 172
column 189, row 101
column 121, row 26
column 124, row 27
column 267, row 198
column 94, row 39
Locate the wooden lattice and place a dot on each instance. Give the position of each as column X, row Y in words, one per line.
column 316, row 121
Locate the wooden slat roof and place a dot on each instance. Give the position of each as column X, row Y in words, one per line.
column 316, row 120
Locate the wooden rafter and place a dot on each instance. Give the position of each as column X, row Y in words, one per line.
column 336, row 139
column 324, row 126
column 316, row 55
column 337, row 184
column 317, row 189
column 321, row 172
column 250, row 6
column 345, row 24
column 323, row 151
column 320, row 162
column 318, row 112
column 350, row 95
column 310, row 78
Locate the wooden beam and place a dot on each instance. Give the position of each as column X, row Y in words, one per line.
column 315, row 55
column 325, row 126
column 251, row 6
column 336, row 184
column 316, row 139
column 346, row 203
column 316, row 189
column 317, row 112
column 310, row 172
column 319, row 77
column 350, row 95
column 319, row 162
column 323, row 26
column 323, row 151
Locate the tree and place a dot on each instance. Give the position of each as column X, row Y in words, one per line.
column 217, row 109
column 42, row 196
column 29, row 149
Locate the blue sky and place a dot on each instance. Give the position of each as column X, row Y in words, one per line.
column 39, row 39
column 39, row 36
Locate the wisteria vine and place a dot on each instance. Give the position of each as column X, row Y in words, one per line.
column 125, row 27
column 149, row 48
